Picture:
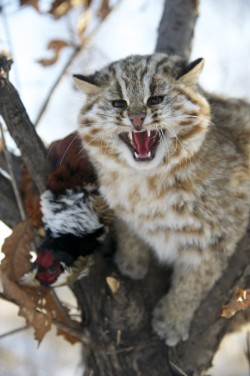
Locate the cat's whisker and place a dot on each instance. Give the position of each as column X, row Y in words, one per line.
column 165, row 142
column 176, row 137
column 178, row 140
column 81, row 151
column 163, row 138
column 106, row 116
column 111, row 141
column 93, row 138
column 50, row 150
column 67, row 149
column 113, row 133
column 88, row 143
column 176, row 117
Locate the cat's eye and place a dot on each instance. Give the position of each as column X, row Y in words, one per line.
column 153, row 101
column 119, row 103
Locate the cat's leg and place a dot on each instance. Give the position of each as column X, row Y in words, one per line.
column 173, row 314
column 132, row 256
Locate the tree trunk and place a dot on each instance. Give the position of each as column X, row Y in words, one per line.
column 176, row 30
column 117, row 317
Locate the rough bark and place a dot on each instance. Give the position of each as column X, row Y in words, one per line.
column 23, row 132
column 118, row 324
column 9, row 213
column 175, row 33
column 119, row 338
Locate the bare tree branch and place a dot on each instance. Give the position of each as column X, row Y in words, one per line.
column 45, row 104
column 14, row 331
column 9, row 212
column 23, row 132
column 12, row 175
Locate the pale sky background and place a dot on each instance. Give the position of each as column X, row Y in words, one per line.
column 221, row 37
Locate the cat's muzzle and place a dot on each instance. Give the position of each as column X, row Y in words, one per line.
column 142, row 144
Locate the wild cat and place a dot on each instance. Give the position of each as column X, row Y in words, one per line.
column 173, row 163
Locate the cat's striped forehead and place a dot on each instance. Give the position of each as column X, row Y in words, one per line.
column 138, row 66
column 140, row 72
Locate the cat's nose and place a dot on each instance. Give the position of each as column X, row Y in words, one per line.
column 137, row 120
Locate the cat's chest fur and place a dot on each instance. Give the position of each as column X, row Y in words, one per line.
column 160, row 208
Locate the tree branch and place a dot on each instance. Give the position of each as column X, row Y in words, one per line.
column 9, row 212
column 23, row 132
column 121, row 340
column 176, row 30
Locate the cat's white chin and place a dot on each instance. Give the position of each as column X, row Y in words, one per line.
column 139, row 164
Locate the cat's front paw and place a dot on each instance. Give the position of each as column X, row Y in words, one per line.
column 135, row 267
column 170, row 323
column 132, row 256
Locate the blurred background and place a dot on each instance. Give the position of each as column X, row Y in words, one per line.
column 51, row 40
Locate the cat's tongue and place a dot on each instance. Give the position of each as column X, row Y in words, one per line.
column 141, row 141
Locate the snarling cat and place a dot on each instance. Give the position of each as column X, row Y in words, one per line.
column 173, row 163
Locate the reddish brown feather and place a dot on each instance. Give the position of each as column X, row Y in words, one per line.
column 71, row 163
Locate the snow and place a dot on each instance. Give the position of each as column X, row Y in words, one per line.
column 221, row 37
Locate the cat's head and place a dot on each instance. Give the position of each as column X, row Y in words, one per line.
column 142, row 110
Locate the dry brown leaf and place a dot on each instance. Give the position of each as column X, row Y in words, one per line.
column 15, row 264
column 104, row 9
column 31, row 198
column 239, row 303
column 37, row 305
column 60, row 7
column 56, row 46
column 16, row 249
column 83, row 22
column 114, row 284
column 33, row 3
column 61, row 315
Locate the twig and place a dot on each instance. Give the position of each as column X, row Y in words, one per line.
column 60, row 306
column 56, row 83
column 75, row 331
column 177, row 370
column 9, row 39
column 12, row 175
column 4, row 297
column 70, row 61
column 14, row 331
column 247, row 352
column 72, row 327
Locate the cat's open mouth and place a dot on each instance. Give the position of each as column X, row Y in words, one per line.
column 142, row 143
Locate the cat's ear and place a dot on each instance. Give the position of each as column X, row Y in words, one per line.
column 86, row 84
column 190, row 74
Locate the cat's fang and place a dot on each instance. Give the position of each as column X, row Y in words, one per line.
column 143, row 157
column 142, row 144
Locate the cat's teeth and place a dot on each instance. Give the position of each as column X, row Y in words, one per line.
column 130, row 136
column 149, row 132
column 136, row 155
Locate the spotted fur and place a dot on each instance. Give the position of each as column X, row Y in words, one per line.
column 173, row 163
